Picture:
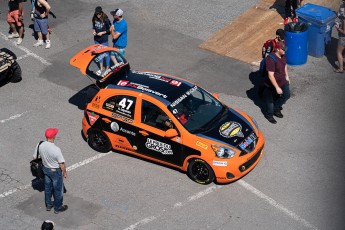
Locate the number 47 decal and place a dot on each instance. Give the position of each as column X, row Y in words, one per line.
column 126, row 103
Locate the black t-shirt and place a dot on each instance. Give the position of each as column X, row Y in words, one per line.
column 14, row 4
column 100, row 26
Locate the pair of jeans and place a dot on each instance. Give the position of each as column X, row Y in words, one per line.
column 274, row 101
column 288, row 11
column 53, row 186
column 107, row 58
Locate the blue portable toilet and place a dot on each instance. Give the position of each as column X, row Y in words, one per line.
column 320, row 21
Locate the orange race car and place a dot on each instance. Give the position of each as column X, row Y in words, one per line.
column 165, row 119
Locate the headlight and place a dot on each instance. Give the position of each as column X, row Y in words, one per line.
column 223, row 152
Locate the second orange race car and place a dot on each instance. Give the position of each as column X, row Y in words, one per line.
column 166, row 119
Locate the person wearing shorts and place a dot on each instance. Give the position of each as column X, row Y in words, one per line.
column 41, row 12
column 15, row 19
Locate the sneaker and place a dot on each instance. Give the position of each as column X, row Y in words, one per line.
column 19, row 41
column 278, row 114
column 62, row 209
column 271, row 119
column 286, row 21
column 49, row 208
column 294, row 19
column 99, row 72
column 48, row 44
column 16, row 35
column 38, row 43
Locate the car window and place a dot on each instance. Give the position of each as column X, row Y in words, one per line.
column 124, row 105
column 195, row 109
column 152, row 115
column 104, row 63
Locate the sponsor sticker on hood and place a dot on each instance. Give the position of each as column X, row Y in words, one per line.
column 231, row 129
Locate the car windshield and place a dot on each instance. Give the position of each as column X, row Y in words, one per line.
column 196, row 109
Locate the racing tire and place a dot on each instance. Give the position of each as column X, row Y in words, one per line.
column 99, row 141
column 200, row 172
column 16, row 73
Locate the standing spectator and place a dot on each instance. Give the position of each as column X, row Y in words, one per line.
column 277, row 90
column 340, row 26
column 42, row 9
column 54, row 171
column 15, row 19
column 290, row 10
column 119, row 31
column 101, row 30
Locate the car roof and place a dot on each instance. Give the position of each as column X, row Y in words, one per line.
column 164, row 87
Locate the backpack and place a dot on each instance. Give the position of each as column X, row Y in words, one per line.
column 268, row 47
column 263, row 72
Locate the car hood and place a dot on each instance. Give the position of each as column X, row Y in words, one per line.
column 232, row 129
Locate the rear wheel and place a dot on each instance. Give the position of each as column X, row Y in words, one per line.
column 16, row 73
column 200, row 172
column 99, row 141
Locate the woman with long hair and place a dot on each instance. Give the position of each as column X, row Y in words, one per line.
column 101, row 30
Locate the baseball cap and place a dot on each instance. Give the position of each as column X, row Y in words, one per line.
column 98, row 10
column 280, row 45
column 117, row 12
column 281, row 33
column 51, row 132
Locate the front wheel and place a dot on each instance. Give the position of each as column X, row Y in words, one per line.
column 200, row 172
column 99, row 141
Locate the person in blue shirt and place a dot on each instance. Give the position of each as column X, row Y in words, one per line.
column 119, row 31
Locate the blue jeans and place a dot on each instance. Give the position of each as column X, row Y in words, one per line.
column 273, row 101
column 53, row 186
column 107, row 58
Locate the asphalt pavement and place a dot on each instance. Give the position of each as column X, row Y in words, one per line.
column 299, row 183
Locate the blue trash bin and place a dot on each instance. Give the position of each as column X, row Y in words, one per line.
column 296, row 40
column 320, row 21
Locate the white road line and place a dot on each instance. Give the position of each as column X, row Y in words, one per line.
column 13, row 117
column 22, row 57
column 27, row 51
column 176, row 205
column 70, row 168
column 213, row 188
column 275, row 204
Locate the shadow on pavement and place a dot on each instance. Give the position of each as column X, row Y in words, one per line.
column 253, row 93
column 84, row 96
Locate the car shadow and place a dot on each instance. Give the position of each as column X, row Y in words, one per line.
column 84, row 96
column 253, row 93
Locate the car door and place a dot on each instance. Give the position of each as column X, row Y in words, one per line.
column 119, row 111
column 154, row 123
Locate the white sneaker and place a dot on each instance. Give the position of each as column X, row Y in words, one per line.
column 99, row 72
column 38, row 43
column 19, row 41
column 48, row 44
column 16, row 35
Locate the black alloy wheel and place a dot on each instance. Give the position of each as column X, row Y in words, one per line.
column 200, row 172
column 99, row 141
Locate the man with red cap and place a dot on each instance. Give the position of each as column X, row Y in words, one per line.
column 277, row 89
column 54, row 171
